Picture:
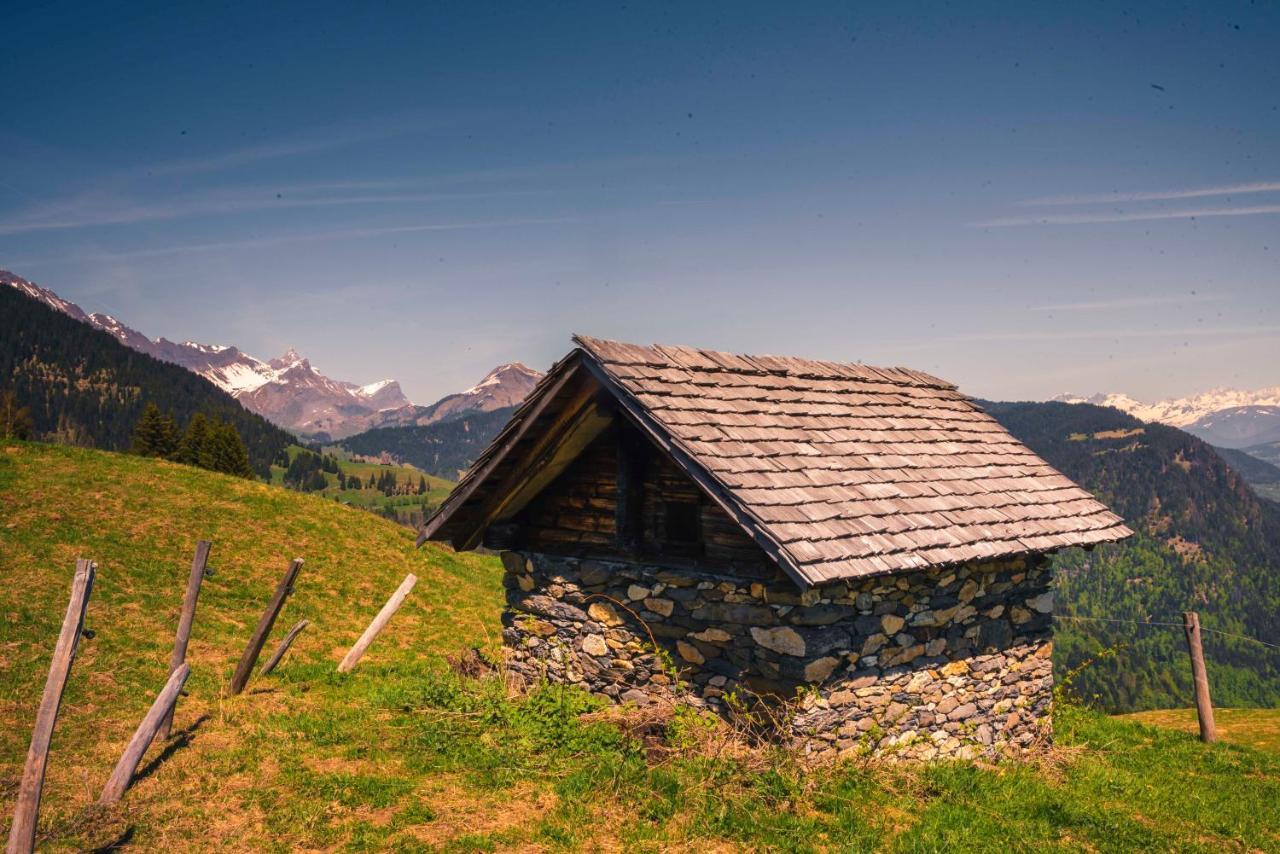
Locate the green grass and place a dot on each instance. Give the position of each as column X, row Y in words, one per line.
column 403, row 755
column 1259, row 728
column 404, row 506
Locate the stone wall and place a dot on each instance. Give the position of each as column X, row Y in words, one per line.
column 949, row 662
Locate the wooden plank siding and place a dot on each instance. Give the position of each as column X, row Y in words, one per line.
column 577, row 514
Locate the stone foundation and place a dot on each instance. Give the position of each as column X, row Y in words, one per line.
column 933, row 663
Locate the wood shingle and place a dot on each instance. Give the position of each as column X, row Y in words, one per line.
column 839, row 470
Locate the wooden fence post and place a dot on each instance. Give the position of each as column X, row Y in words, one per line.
column 378, row 623
column 144, row 735
column 283, row 647
column 1204, row 706
column 184, row 623
column 251, row 652
column 22, row 833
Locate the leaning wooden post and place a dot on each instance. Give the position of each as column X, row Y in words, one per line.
column 283, row 647
column 251, row 652
column 1204, row 706
column 393, row 604
column 179, row 655
column 22, row 833
column 144, row 735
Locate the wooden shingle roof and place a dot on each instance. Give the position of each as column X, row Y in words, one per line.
column 843, row 470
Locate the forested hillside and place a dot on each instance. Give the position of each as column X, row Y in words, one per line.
column 443, row 449
column 84, row 387
column 1204, row 541
column 1260, row 474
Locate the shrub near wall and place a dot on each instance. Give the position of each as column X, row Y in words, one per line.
column 941, row 662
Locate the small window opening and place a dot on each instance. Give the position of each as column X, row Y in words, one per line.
column 683, row 523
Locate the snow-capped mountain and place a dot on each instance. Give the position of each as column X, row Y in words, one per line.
column 506, row 385
column 1240, row 427
column 1226, row 417
column 287, row 390
column 1182, row 411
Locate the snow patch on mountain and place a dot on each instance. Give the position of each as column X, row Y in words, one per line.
column 506, row 385
column 1182, row 411
column 374, row 388
column 287, row 390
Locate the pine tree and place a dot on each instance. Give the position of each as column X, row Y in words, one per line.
column 422, row 485
column 240, row 454
column 167, row 441
column 15, row 420
column 193, row 440
column 208, row 454
column 229, row 452
column 148, row 433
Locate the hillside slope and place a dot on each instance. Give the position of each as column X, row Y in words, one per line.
column 85, row 387
column 139, row 518
column 401, row 755
column 1263, row 476
column 444, row 448
column 1204, row 542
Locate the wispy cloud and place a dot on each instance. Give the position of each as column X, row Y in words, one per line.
column 309, row 141
column 1003, row 336
column 1131, row 302
column 97, row 208
column 281, row 239
column 1125, row 216
column 1155, row 195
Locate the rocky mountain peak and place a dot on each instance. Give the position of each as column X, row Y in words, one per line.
column 287, row 390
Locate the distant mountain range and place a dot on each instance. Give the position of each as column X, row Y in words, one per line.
column 1226, row 417
column 289, row 392
column 81, row 386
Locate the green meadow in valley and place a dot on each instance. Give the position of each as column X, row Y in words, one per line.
column 407, row 505
column 405, row 754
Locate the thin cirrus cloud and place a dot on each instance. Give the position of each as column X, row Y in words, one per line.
column 97, row 209
column 307, row 237
column 1266, row 331
column 1155, row 195
column 1107, row 212
column 1131, row 302
column 1125, row 216
column 310, row 141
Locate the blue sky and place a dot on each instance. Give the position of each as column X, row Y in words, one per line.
column 1024, row 198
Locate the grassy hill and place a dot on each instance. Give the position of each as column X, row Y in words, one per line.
column 402, row 754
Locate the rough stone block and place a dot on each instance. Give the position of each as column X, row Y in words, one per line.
column 782, row 639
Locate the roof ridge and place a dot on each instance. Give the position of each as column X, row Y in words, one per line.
column 695, row 358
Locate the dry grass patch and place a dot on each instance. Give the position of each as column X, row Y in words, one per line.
column 1259, row 728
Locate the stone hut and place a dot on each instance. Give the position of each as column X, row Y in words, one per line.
column 687, row 523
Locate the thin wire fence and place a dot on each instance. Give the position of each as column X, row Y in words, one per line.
column 1177, row 625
